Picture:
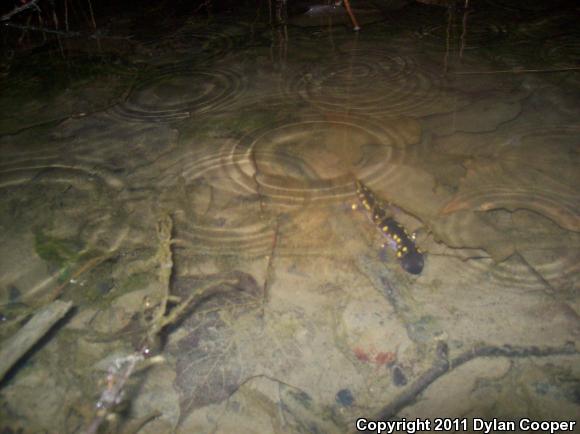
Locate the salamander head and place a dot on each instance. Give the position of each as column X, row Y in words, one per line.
column 413, row 262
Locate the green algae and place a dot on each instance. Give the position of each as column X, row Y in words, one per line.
column 56, row 251
column 67, row 257
column 62, row 255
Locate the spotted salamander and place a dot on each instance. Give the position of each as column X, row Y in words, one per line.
column 398, row 239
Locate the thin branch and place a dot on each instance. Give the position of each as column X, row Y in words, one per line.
column 37, row 327
column 17, row 10
column 464, row 32
column 92, row 15
column 42, row 29
column 117, row 377
column 442, row 365
column 518, row 71
column 270, row 268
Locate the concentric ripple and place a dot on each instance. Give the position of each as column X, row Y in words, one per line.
column 201, row 47
column 78, row 174
column 370, row 81
column 231, row 198
column 109, row 142
column 560, row 208
column 524, row 199
column 178, row 93
column 563, row 51
column 217, row 216
column 233, row 227
column 538, row 171
column 48, row 168
column 559, row 53
column 317, row 158
column 204, row 46
column 314, row 159
column 474, row 33
column 70, row 198
column 528, row 253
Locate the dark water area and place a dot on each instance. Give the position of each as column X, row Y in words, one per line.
column 247, row 217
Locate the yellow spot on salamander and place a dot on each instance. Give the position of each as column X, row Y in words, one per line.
column 399, row 254
column 385, row 229
column 405, row 248
column 354, row 206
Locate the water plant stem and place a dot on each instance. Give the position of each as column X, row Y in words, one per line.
column 355, row 24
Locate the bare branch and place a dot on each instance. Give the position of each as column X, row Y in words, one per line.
column 18, row 9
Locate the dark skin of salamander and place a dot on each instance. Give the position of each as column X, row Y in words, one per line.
column 409, row 255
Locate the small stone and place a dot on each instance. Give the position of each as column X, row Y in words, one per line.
column 399, row 378
column 344, row 397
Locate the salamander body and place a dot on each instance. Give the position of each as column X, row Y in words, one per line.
column 409, row 255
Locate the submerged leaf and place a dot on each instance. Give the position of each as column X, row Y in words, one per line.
column 215, row 356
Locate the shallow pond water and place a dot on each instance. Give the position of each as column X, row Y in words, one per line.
column 195, row 195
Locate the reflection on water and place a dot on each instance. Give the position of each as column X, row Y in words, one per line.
column 249, row 138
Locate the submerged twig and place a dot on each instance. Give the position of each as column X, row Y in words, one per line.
column 31, row 333
column 66, row 15
column 43, row 30
column 97, row 34
column 165, row 262
column 118, row 375
column 17, row 10
column 443, row 364
column 518, row 71
column 87, row 266
column 448, row 30
column 161, row 316
column 122, row 368
column 92, row 15
column 464, row 30
column 270, row 267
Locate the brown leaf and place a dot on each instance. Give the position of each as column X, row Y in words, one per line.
column 215, row 357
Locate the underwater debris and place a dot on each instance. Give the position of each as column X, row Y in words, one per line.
column 31, row 333
column 443, row 364
column 156, row 316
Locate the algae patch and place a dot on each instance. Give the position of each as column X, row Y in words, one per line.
column 58, row 253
